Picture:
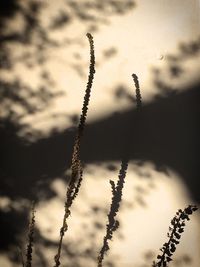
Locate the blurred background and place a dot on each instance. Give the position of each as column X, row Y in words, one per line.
column 44, row 59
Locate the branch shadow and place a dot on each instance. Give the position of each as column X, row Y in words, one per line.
column 166, row 133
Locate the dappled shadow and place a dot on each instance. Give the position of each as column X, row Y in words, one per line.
column 27, row 41
column 165, row 133
column 17, row 96
column 74, row 252
column 27, row 168
column 29, row 30
column 178, row 261
column 9, row 229
column 86, row 11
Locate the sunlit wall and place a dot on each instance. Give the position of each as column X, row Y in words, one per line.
column 44, row 61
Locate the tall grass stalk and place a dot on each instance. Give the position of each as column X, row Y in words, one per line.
column 31, row 228
column 177, row 223
column 113, row 223
column 76, row 166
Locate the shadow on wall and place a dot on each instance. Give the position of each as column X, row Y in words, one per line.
column 23, row 170
column 33, row 33
column 15, row 94
column 165, row 132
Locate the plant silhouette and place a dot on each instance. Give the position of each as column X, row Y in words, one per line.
column 171, row 141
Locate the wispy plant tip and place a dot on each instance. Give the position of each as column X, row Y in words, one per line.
column 138, row 94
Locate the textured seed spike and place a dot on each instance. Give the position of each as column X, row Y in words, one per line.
column 178, row 222
column 76, row 169
column 29, row 249
column 138, row 94
column 81, row 126
column 113, row 224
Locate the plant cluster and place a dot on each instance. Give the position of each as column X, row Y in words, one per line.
column 177, row 223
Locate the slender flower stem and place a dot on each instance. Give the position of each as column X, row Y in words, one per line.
column 76, row 168
column 29, row 249
column 113, row 224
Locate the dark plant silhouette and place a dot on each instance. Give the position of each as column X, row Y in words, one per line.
column 177, row 223
column 76, row 169
column 29, row 249
column 175, row 230
column 150, row 109
column 113, row 224
column 137, row 91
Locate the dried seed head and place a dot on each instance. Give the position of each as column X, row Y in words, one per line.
column 174, row 235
